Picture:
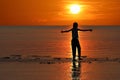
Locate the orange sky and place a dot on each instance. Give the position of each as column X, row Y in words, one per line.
column 55, row 12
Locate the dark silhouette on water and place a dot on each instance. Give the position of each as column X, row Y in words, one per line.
column 76, row 70
column 75, row 42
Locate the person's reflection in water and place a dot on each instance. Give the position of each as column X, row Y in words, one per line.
column 76, row 70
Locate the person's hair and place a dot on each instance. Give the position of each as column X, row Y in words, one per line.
column 75, row 25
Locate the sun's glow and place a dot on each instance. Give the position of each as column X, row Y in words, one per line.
column 75, row 8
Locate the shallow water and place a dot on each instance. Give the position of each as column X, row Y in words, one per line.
column 48, row 41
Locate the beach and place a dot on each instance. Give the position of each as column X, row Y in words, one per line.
column 43, row 53
column 60, row 69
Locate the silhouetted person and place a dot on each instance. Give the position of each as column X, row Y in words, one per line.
column 75, row 42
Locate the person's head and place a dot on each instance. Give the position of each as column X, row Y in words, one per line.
column 75, row 25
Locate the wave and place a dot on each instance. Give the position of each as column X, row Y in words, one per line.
column 53, row 60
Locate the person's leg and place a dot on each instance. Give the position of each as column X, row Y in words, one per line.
column 73, row 49
column 79, row 49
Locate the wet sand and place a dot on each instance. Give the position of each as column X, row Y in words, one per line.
column 35, row 67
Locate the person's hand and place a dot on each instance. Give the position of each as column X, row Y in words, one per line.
column 91, row 30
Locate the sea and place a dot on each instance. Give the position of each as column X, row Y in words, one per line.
column 48, row 41
column 103, row 41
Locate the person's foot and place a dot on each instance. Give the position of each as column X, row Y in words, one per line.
column 74, row 60
column 80, row 59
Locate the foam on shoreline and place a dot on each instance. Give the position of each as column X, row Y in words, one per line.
column 52, row 60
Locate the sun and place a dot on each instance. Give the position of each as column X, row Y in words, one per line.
column 75, row 8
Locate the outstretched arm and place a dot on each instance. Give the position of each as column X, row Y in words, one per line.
column 84, row 29
column 66, row 31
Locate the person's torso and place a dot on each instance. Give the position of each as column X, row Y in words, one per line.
column 74, row 33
